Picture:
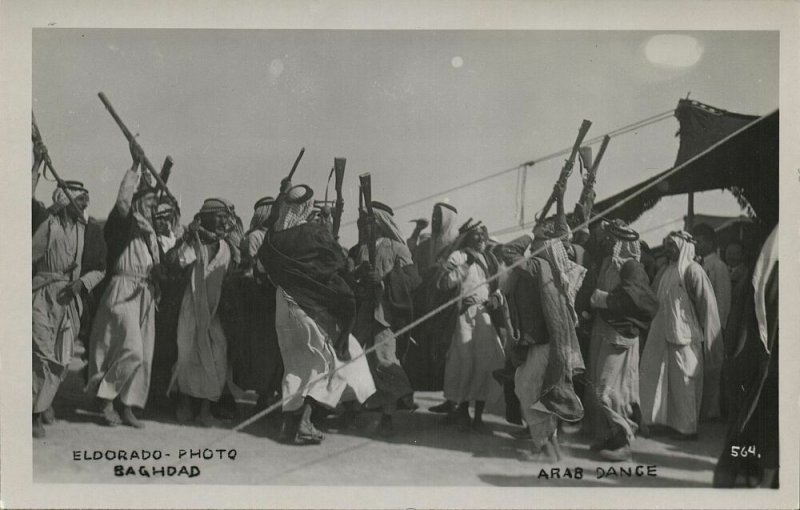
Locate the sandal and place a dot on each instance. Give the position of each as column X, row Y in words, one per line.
column 308, row 436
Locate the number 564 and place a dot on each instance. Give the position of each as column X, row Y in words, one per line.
column 743, row 451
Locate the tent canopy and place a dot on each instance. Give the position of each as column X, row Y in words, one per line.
column 745, row 163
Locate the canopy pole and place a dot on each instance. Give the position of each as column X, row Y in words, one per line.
column 690, row 213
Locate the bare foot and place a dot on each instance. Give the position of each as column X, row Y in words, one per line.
column 128, row 418
column 110, row 415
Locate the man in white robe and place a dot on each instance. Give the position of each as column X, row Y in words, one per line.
column 475, row 347
column 202, row 366
column 60, row 286
column 684, row 339
column 123, row 332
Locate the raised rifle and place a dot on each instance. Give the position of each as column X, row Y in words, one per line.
column 586, row 201
column 338, row 168
column 131, row 139
column 36, row 137
column 365, row 181
column 366, row 191
column 296, row 162
column 566, row 171
column 166, row 169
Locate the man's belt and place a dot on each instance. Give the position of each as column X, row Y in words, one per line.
column 141, row 277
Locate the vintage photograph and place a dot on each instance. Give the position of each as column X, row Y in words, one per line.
column 519, row 258
column 348, row 254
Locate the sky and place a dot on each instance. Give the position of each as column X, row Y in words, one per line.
column 422, row 111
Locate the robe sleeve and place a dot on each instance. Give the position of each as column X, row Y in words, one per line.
column 455, row 270
column 699, row 288
column 92, row 278
column 516, row 248
column 40, row 237
column 126, row 191
column 93, row 258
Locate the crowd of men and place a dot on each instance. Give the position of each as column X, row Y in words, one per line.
column 569, row 327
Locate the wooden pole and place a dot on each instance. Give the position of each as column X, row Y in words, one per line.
column 690, row 213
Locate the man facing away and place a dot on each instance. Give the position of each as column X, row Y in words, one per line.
column 123, row 333
column 541, row 294
column 60, row 284
column 202, row 367
column 684, row 338
column 314, row 315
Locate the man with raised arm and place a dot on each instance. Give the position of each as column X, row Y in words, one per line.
column 206, row 254
column 61, row 283
column 123, row 333
column 475, row 347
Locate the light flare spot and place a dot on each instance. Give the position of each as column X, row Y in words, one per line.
column 673, row 50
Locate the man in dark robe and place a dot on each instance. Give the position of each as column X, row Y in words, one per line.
column 166, row 223
column 247, row 309
column 752, row 364
column 424, row 361
column 314, row 315
column 385, row 305
column 624, row 305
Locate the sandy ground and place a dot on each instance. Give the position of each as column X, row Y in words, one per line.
column 422, row 453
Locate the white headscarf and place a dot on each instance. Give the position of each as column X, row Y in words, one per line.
column 260, row 216
column 685, row 243
column 143, row 225
column 448, row 233
column 387, row 227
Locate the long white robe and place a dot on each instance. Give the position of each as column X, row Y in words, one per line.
column 123, row 333
column 201, row 369
column 57, row 250
column 475, row 348
column 308, row 356
column 684, row 336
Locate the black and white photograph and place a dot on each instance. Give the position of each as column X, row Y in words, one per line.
column 441, row 258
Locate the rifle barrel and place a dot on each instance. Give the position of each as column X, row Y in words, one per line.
column 338, row 167
column 37, row 137
column 296, row 162
column 145, row 161
column 567, row 169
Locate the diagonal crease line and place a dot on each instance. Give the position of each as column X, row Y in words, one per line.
column 451, row 302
